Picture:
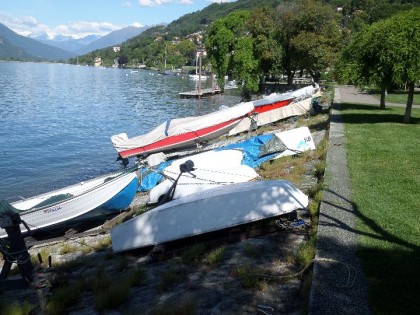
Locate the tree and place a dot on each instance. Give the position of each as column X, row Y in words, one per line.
column 384, row 53
column 222, row 41
column 404, row 41
column 311, row 37
column 265, row 31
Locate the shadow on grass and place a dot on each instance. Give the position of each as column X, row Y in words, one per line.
column 380, row 232
column 393, row 274
column 375, row 115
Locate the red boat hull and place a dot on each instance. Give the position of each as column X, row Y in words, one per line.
column 183, row 140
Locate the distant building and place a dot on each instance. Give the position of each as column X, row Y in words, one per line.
column 116, row 48
column 98, row 61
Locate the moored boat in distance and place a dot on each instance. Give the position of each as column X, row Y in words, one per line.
column 180, row 133
column 208, row 211
column 88, row 200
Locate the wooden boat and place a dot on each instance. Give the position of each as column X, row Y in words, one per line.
column 87, row 200
column 277, row 106
column 208, row 211
column 211, row 169
column 180, row 133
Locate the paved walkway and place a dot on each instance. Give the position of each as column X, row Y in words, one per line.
column 350, row 94
column 338, row 284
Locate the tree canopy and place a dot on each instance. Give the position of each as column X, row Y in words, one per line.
column 384, row 53
column 311, row 37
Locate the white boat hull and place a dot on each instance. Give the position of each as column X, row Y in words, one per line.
column 90, row 199
column 208, row 211
column 212, row 169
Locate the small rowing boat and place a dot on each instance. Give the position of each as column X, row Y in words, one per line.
column 211, row 210
column 84, row 201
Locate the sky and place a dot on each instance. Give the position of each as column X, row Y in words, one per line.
column 78, row 18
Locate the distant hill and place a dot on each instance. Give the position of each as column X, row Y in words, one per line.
column 90, row 43
column 65, row 42
column 15, row 46
column 196, row 21
column 112, row 39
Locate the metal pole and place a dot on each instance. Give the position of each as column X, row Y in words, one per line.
column 199, row 74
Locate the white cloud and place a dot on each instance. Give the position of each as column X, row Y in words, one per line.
column 137, row 24
column 127, row 4
column 29, row 25
column 187, row 2
column 153, row 3
column 219, row 1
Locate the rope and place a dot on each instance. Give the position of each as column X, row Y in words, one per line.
column 349, row 284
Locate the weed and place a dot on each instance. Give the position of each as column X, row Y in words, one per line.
column 103, row 244
column 121, row 263
column 320, row 169
column 135, row 276
column 247, row 276
column 251, row 250
column 15, row 308
column 62, row 297
column 184, row 307
column 193, row 253
column 168, row 278
column 112, row 296
column 306, row 252
column 216, row 255
column 67, row 249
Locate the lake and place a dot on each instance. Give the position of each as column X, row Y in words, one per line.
column 56, row 120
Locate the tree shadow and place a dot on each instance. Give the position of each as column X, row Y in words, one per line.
column 380, row 232
column 392, row 272
column 376, row 116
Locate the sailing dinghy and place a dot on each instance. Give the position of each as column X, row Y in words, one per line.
column 211, row 210
column 182, row 132
column 87, row 200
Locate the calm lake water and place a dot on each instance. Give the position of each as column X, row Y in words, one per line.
column 56, row 120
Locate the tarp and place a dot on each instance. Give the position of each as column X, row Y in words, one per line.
column 254, row 151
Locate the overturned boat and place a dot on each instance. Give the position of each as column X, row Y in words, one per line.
column 180, row 133
column 211, row 169
column 88, row 200
column 278, row 106
column 211, row 210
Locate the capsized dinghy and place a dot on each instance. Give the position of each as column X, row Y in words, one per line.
column 87, row 200
column 182, row 132
column 208, row 211
column 211, row 169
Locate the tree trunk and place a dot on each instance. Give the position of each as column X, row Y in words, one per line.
column 383, row 91
column 407, row 115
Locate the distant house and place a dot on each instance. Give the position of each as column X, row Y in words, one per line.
column 116, row 48
column 98, row 61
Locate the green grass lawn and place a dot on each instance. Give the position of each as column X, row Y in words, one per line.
column 398, row 97
column 384, row 164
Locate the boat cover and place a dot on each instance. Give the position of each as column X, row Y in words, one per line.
column 173, row 127
column 253, row 151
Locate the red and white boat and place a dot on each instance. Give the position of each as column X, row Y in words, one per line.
column 277, row 106
column 182, row 132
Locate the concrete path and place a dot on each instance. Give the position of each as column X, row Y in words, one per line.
column 350, row 94
column 338, row 284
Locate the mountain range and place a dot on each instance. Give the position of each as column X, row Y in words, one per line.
column 41, row 48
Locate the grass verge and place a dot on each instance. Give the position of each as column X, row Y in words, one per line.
column 383, row 159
